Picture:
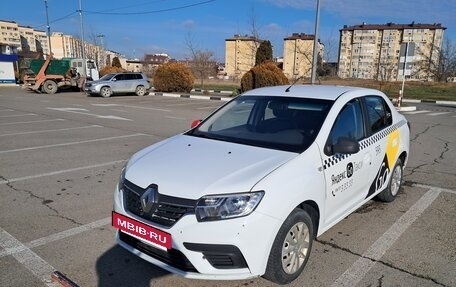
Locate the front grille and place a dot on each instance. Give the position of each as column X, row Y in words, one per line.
column 171, row 257
column 169, row 208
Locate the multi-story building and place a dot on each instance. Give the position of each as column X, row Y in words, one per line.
column 68, row 46
column 298, row 55
column 240, row 52
column 389, row 52
column 10, row 38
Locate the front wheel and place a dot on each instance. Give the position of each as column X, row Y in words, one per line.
column 291, row 248
column 394, row 184
column 140, row 91
column 106, row 92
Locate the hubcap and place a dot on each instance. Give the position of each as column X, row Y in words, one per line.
column 396, row 178
column 295, row 248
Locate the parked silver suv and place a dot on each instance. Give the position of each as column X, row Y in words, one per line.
column 118, row 83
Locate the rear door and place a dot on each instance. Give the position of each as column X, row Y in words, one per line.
column 384, row 140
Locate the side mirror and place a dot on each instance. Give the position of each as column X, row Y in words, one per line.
column 345, row 146
column 195, row 123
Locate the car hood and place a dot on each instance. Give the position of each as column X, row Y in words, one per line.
column 191, row 167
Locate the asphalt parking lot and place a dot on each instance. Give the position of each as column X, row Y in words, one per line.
column 61, row 157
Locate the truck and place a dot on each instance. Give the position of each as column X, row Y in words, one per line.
column 51, row 75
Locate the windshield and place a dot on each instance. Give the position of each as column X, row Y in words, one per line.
column 282, row 123
column 107, row 77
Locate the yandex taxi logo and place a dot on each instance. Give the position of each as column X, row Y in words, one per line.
column 128, row 225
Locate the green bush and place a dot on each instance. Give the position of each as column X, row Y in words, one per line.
column 263, row 75
column 173, row 77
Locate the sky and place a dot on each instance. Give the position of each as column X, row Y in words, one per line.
column 138, row 27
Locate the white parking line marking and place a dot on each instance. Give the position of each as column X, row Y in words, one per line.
column 31, row 122
column 353, row 275
column 59, row 172
column 70, row 143
column 21, row 115
column 435, row 188
column 104, row 105
column 438, row 114
column 208, row 108
column 29, row 259
column 84, row 112
column 47, row 131
column 175, row 118
column 145, row 108
column 416, row 112
column 55, row 237
column 6, row 110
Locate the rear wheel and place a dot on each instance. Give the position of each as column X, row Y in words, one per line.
column 291, row 248
column 49, row 87
column 106, row 92
column 391, row 191
column 140, row 91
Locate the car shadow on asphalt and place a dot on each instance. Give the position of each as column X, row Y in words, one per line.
column 118, row 267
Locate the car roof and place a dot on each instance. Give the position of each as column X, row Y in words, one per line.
column 325, row 92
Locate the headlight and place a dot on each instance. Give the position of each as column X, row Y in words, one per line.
column 122, row 177
column 217, row 207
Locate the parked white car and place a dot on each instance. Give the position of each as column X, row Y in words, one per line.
column 245, row 192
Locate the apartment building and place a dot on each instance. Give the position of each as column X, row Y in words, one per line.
column 68, row 46
column 389, row 51
column 240, row 52
column 298, row 55
column 10, row 38
column 15, row 38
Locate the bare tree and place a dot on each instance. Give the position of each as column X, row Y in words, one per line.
column 202, row 62
column 440, row 63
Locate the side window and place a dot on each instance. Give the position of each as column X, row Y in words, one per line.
column 378, row 112
column 119, row 77
column 349, row 123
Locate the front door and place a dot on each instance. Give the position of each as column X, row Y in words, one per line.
column 346, row 174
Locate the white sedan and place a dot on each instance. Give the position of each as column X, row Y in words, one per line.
column 245, row 191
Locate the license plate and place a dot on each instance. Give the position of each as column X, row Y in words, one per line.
column 142, row 231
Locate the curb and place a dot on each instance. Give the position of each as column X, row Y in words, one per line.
column 405, row 109
column 189, row 96
column 429, row 102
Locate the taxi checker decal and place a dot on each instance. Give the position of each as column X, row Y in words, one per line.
column 392, row 148
column 330, row 161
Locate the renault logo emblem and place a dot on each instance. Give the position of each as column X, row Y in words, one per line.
column 149, row 200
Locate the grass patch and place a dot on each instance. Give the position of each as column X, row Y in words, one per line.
column 412, row 90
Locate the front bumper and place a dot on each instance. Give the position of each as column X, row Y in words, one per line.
column 222, row 250
column 91, row 90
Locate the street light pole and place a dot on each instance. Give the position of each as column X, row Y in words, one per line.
column 102, row 62
column 315, row 48
column 84, row 63
column 48, row 27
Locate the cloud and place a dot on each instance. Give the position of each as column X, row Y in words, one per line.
column 189, row 24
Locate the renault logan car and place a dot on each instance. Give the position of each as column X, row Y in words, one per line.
column 245, row 192
column 118, row 83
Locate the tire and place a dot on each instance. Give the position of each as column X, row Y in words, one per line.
column 49, row 87
column 394, row 184
column 291, row 246
column 105, row 92
column 140, row 91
